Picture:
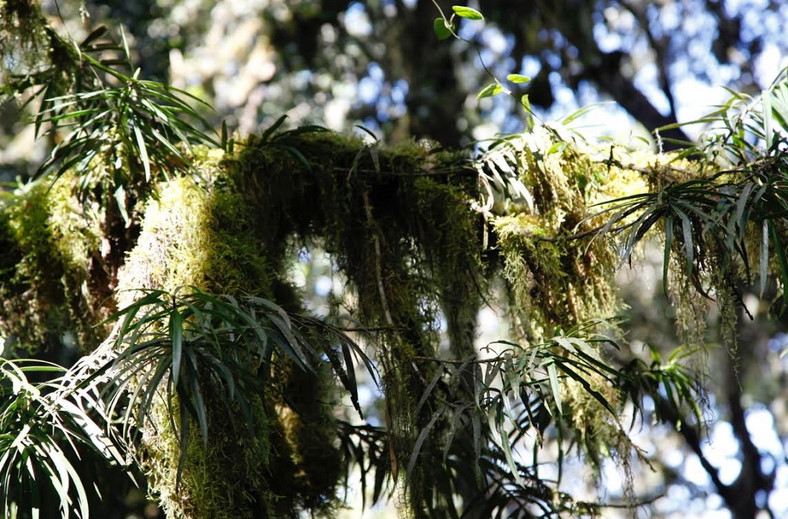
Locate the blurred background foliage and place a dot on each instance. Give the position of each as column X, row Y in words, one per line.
column 378, row 64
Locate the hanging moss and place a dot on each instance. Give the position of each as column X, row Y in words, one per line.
column 557, row 278
column 31, row 52
column 691, row 307
column 536, row 273
column 400, row 225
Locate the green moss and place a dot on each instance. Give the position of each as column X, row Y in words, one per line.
column 398, row 224
column 32, row 52
column 310, row 430
column 221, row 478
column 555, row 278
column 199, row 237
column 49, row 257
column 535, row 272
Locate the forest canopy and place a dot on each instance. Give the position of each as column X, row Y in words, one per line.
column 156, row 341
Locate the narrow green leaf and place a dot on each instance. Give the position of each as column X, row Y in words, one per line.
column 454, row 424
column 143, row 149
column 419, row 442
column 689, row 247
column 477, row 445
column 554, row 386
column 467, row 12
column 199, row 402
column 557, row 147
column 97, row 33
column 126, row 51
column 525, row 102
column 120, row 199
column 176, row 335
column 766, row 100
column 563, row 342
column 507, row 451
column 741, row 206
column 666, row 252
column 781, row 260
column 583, row 380
column 299, row 156
column 569, row 119
column 183, row 441
column 764, row 257
column 270, row 130
column 429, row 388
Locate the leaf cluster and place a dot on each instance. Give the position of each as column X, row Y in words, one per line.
column 367, row 448
column 120, row 132
column 176, row 348
column 710, row 221
column 141, row 128
column 43, row 428
column 173, row 351
column 514, row 404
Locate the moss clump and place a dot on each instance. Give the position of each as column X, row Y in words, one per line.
column 50, row 262
column 32, row 53
column 309, row 428
column 228, row 477
column 558, row 276
column 199, row 231
column 26, row 50
column 195, row 236
column 599, row 433
column 536, row 273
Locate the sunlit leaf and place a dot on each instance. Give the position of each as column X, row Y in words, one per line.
column 467, row 12
column 518, row 78
column 489, row 91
